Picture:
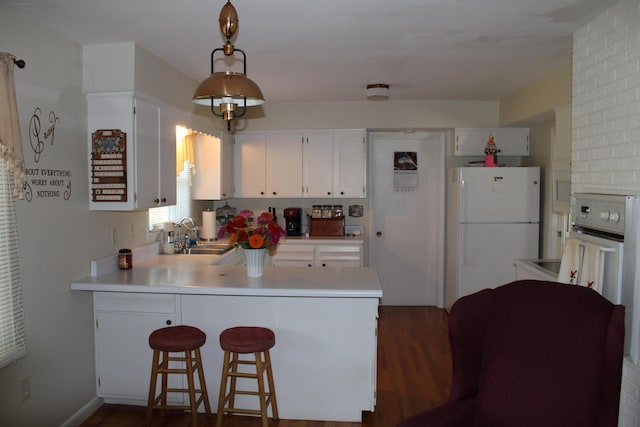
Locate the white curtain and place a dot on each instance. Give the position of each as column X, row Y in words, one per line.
column 12, row 328
column 10, row 140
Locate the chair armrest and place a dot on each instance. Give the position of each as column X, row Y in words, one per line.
column 467, row 328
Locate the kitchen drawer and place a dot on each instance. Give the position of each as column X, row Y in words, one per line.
column 293, row 256
column 141, row 303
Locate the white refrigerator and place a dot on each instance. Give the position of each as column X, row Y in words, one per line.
column 493, row 217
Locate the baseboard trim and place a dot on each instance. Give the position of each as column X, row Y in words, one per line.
column 83, row 413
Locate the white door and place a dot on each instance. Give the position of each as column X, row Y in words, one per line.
column 407, row 224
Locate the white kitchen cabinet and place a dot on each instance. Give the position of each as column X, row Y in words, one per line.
column 268, row 165
column 350, row 164
column 316, row 253
column 334, row 164
column 145, row 175
column 317, row 164
column 123, row 323
column 250, row 166
column 213, row 179
column 284, row 164
column 294, row 255
column 342, row 255
column 510, row 141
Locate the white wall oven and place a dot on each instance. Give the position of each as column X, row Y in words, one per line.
column 611, row 221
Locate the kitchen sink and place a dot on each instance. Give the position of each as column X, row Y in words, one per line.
column 210, row 248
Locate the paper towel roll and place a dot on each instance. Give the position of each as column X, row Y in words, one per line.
column 208, row 231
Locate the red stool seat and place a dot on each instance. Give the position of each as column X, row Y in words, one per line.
column 177, row 338
column 247, row 339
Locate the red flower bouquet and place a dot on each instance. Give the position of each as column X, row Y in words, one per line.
column 265, row 234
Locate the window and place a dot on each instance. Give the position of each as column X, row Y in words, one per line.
column 182, row 208
column 12, row 328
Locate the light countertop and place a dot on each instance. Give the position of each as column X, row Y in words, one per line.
column 198, row 274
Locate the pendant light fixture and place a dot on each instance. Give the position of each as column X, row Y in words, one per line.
column 228, row 93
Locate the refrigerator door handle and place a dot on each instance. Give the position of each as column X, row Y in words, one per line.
column 463, row 212
column 463, row 245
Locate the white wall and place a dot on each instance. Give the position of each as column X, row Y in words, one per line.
column 58, row 237
column 606, row 128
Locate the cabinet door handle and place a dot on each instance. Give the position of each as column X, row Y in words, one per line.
column 324, row 265
column 168, row 322
column 164, row 200
column 342, row 193
column 156, row 201
column 328, row 193
column 262, row 193
column 274, row 193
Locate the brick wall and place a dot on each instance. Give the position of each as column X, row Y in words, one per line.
column 606, row 128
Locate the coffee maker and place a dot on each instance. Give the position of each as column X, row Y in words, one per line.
column 293, row 221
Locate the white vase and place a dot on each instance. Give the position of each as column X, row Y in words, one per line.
column 255, row 261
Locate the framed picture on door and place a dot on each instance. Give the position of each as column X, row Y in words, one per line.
column 405, row 170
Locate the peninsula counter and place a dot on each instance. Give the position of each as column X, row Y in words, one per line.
column 325, row 321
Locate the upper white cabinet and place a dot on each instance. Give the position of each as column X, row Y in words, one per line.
column 284, row 164
column 317, row 164
column 301, row 164
column 268, row 164
column 510, row 141
column 334, row 164
column 132, row 153
column 213, row 179
column 350, row 164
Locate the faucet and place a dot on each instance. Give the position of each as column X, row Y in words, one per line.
column 183, row 241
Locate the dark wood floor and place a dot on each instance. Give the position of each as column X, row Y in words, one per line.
column 414, row 374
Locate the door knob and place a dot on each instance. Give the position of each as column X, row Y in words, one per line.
column 379, row 234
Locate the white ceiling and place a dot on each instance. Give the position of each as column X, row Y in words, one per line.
column 329, row 50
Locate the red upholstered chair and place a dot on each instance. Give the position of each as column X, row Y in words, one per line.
column 532, row 353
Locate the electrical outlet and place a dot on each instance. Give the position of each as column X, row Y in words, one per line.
column 25, row 388
column 114, row 237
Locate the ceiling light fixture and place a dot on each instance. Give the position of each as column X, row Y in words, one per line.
column 228, row 93
column 378, row 92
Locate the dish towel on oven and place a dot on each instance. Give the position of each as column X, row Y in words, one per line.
column 570, row 263
column 592, row 272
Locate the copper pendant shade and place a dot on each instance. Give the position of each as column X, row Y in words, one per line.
column 228, row 93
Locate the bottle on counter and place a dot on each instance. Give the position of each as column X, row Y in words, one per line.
column 316, row 211
column 169, row 244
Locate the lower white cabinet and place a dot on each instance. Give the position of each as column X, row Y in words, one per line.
column 317, row 254
column 338, row 256
column 123, row 323
column 292, row 255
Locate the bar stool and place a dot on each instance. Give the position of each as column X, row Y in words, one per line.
column 177, row 339
column 245, row 340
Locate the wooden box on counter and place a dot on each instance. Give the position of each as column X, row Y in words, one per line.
column 326, row 227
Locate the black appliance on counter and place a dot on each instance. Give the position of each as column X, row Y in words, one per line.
column 293, row 221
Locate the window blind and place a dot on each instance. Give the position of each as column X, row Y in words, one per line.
column 12, row 327
column 182, row 208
